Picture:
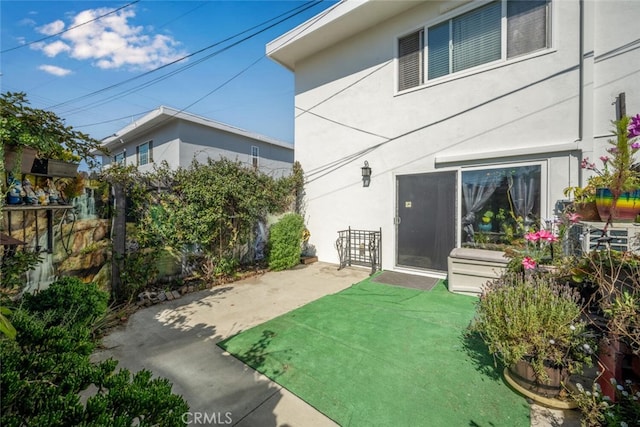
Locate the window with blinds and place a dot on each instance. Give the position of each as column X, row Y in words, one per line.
column 474, row 38
column 410, row 61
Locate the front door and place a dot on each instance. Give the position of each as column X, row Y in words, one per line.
column 425, row 209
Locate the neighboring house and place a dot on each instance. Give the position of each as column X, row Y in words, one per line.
column 178, row 138
column 458, row 107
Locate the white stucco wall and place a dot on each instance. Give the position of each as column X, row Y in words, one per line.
column 525, row 110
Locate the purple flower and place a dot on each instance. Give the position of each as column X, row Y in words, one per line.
column 635, row 145
column 634, row 126
column 613, row 150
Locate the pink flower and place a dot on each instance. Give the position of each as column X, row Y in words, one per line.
column 604, row 159
column 547, row 235
column 532, row 237
column 585, row 164
column 573, row 217
column 528, row 263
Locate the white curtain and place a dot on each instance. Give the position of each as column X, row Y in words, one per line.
column 477, row 189
column 523, row 185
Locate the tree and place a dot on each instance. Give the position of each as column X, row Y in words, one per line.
column 25, row 126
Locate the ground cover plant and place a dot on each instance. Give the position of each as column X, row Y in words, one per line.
column 47, row 368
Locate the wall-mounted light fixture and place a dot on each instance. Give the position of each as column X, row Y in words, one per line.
column 366, row 174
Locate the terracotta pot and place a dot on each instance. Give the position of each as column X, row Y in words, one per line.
column 523, row 374
column 626, row 210
column 587, row 211
column 611, row 355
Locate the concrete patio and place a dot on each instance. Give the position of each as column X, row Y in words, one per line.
column 177, row 340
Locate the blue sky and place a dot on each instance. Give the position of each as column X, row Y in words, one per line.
column 59, row 71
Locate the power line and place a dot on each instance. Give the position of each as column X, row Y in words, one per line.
column 144, row 85
column 303, row 8
column 70, row 28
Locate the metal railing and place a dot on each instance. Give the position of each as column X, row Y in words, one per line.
column 360, row 247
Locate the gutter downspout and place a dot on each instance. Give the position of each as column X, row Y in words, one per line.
column 581, row 76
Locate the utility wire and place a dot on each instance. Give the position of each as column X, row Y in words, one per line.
column 70, row 28
column 309, row 24
column 303, row 8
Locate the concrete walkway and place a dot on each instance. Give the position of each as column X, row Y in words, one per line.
column 177, row 340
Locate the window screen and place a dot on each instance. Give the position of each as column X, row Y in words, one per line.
column 410, row 72
column 527, row 27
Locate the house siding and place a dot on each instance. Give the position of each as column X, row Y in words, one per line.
column 178, row 142
column 515, row 106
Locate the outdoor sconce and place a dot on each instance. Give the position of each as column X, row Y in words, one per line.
column 366, row 174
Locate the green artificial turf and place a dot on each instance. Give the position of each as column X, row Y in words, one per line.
column 377, row 355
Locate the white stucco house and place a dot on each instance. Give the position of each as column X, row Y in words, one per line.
column 459, row 107
column 179, row 137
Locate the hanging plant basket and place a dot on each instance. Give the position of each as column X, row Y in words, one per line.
column 13, row 155
column 51, row 167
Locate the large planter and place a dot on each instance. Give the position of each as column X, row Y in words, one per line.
column 627, row 207
column 57, row 168
column 523, row 374
column 24, row 155
column 521, row 377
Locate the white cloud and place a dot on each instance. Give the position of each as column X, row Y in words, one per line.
column 52, row 49
column 51, row 28
column 111, row 42
column 55, row 70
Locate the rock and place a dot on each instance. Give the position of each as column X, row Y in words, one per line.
column 176, row 294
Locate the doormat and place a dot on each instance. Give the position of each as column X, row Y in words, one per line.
column 405, row 280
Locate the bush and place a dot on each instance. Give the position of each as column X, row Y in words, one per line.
column 47, row 366
column 69, row 299
column 285, row 242
column 533, row 318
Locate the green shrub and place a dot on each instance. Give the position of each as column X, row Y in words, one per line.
column 47, row 366
column 68, row 299
column 285, row 242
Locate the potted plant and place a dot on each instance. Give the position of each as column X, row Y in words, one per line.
column 485, row 222
column 584, row 201
column 618, row 182
column 612, row 280
column 533, row 325
column 43, row 135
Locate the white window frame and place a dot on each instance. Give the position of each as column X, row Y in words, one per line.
column 544, row 189
column 122, row 160
column 255, row 156
column 481, row 67
column 149, row 145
